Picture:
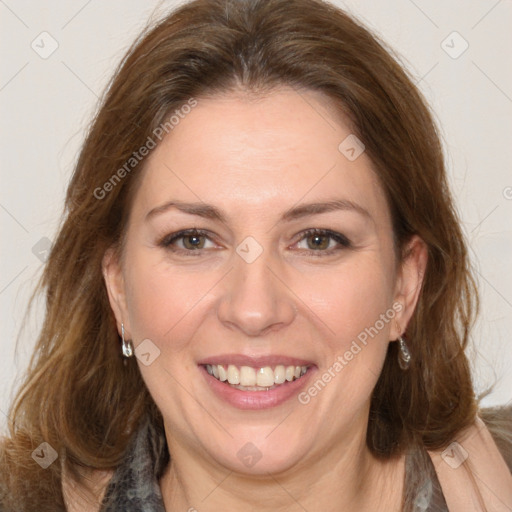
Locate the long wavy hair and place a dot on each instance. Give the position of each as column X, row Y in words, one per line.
column 77, row 395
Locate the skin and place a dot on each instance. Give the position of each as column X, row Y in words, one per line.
column 253, row 159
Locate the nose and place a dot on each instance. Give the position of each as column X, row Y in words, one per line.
column 254, row 300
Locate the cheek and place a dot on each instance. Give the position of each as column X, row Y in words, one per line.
column 161, row 300
column 351, row 298
column 164, row 304
column 355, row 302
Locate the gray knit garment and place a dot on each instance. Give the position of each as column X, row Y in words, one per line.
column 134, row 486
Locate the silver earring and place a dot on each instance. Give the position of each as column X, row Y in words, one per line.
column 127, row 345
column 404, row 356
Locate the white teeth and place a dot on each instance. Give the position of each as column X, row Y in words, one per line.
column 233, row 374
column 280, row 374
column 223, row 375
column 247, row 376
column 265, row 377
column 252, row 379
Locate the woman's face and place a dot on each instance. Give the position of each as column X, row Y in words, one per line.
column 292, row 265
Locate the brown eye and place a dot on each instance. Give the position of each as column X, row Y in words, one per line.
column 323, row 241
column 316, row 242
column 192, row 242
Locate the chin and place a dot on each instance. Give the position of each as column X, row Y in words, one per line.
column 262, row 453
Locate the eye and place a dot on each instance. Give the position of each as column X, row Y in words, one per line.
column 323, row 241
column 189, row 240
column 318, row 241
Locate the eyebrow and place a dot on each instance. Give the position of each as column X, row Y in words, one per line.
column 303, row 210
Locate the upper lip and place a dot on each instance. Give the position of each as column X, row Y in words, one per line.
column 255, row 361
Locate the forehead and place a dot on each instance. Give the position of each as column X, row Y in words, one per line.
column 266, row 153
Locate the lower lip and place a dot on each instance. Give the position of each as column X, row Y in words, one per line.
column 255, row 400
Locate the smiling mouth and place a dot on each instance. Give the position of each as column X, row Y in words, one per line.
column 248, row 378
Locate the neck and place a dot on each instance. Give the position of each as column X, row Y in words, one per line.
column 347, row 477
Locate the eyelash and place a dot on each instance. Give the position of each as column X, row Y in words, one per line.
column 343, row 241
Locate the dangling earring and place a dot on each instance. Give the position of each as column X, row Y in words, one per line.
column 127, row 346
column 404, row 356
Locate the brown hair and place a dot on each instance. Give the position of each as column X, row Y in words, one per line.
column 78, row 396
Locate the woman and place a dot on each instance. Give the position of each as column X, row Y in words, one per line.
column 260, row 295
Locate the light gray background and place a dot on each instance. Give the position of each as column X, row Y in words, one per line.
column 46, row 104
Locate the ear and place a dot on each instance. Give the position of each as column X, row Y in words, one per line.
column 114, row 282
column 409, row 281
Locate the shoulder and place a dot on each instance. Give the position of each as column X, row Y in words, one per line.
column 499, row 422
column 475, row 468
